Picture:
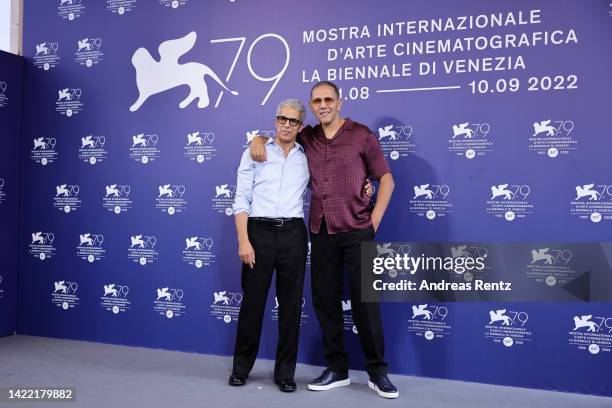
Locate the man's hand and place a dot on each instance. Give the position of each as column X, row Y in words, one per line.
column 382, row 200
column 258, row 148
column 368, row 188
column 246, row 253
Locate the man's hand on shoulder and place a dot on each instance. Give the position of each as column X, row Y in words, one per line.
column 258, row 148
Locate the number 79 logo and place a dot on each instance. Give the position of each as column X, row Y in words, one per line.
column 274, row 79
column 157, row 76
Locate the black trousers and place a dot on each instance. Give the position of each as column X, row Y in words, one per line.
column 284, row 249
column 329, row 254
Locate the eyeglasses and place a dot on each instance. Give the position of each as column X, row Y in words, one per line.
column 292, row 122
column 328, row 100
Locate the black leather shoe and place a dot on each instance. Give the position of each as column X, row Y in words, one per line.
column 286, row 385
column 328, row 380
column 383, row 386
column 237, row 379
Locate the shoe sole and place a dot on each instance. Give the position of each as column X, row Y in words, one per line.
column 382, row 393
column 341, row 383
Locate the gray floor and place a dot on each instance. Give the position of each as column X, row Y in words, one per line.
column 117, row 376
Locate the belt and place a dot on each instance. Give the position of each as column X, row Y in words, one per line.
column 276, row 222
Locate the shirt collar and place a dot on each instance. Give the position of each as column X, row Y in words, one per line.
column 271, row 140
column 347, row 125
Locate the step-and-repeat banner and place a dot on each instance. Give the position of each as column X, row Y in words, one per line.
column 11, row 77
column 493, row 116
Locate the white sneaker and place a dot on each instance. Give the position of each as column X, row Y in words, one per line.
column 383, row 387
column 328, row 380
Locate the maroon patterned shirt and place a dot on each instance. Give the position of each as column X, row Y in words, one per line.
column 338, row 168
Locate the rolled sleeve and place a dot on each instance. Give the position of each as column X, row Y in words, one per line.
column 375, row 158
column 244, row 184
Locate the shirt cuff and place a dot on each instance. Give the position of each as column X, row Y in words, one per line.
column 237, row 211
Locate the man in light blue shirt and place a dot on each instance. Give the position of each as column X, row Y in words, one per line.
column 269, row 215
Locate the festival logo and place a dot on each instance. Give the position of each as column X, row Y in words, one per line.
column 396, row 140
column 170, row 199
column 43, row 151
column 66, row 198
column 92, row 149
column 429, row 321
column 431, row 201
column 169, row 302
column 115, row 298
column 200, row 147
column 144, row 148
column 153, row 76
column 593, row 202
column 142, row 249
column 69, row 102
column 470, row 140
column 70, row 9
column 46, row 55
column 551, row 266
column 117, row 198
column 223, row 198
column 553, row 138
column 508, row 327
column 250, row 134
column 509, row 201
column 89, row 52
column 226, row 306
column 591, row 333
column 41, row 247
column 90, row 247
column 198, row 251
column 470, row 251
column 64, row 294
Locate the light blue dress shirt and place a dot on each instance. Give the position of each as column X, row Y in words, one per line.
column 274, row 188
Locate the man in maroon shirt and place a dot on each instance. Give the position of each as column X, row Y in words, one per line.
column 341, row 153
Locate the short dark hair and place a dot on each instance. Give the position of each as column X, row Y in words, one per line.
column 326, row 83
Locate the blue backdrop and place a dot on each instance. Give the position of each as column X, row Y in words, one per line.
column 494, row 118
column 11, row 76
